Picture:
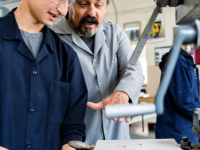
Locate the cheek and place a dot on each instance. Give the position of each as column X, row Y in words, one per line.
column 101, row 15
column 45, row 6
column 75, row 16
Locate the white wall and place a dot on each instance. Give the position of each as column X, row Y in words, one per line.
column 141, row 10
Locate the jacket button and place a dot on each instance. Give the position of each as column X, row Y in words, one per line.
column 34, row 72
column 28, row 145
column 32, row 109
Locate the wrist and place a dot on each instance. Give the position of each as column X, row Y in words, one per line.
column 123, row 94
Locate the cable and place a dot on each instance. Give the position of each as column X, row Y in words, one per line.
column 116, row 13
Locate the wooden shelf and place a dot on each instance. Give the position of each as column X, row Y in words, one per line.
column 147, row 100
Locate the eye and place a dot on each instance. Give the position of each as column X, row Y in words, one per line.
column 99, row 5
column 83, row 4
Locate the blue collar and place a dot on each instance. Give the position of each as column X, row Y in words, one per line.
column 12, row 32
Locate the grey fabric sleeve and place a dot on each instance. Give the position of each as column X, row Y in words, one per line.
column 131, row 76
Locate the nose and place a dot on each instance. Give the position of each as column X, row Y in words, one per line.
column 91, row 11
column 62, row 9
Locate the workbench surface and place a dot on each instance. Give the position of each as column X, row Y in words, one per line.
column 146, row 144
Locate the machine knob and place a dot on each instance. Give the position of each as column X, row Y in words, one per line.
column 162, row 3
column 185, row 139
column 170, row 3
column 185, row 144
column 175, row 3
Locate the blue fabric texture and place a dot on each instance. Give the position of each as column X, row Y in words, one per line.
column 42, row 100
column 181, row 99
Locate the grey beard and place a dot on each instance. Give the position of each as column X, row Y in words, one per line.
column 88, row 31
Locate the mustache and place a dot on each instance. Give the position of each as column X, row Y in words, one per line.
column 88, row 19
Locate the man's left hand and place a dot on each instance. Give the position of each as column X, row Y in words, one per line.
column 115, row 99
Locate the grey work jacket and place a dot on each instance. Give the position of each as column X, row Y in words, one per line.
column 106, row 71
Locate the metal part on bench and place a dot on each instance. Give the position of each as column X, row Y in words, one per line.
column 185, row 144
column 196, row 122
column 80, row 145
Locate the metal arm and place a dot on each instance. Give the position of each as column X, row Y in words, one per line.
column 186, row 34
column 144, row 37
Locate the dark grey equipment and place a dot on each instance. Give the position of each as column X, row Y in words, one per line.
column 170, row 3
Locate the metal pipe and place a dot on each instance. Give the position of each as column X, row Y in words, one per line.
column 116, row 111
column 144, row 37
column 186, row 34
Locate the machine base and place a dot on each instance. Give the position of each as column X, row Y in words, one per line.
column 146, row 144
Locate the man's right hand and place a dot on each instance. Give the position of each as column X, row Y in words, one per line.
column 116, row 98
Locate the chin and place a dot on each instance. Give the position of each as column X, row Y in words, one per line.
column 48, row 23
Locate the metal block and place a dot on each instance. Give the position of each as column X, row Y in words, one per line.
column 188, row 12
column 147, row 144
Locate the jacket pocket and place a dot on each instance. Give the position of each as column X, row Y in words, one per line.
column 59, row 94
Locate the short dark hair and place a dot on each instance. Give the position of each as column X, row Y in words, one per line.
column 108, row 1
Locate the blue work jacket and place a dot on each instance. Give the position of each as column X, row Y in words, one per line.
column 42, row 100
column 181, row 99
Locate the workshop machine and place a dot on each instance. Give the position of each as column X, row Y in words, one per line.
column 188, row 17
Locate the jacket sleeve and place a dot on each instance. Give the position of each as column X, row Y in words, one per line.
column 131, row 76
column 74, row 117
column 182, row 90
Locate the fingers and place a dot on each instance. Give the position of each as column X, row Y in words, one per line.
column 114, row 119
column 120, row 120
column 128, row 119
column 95, row 106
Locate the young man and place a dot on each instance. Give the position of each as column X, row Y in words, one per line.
column 181, row 99
column 104, row 51
column 43, row 93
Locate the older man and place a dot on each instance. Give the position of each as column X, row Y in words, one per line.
column 104, row 51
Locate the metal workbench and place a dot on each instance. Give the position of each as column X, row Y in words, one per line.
column 146, row 144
